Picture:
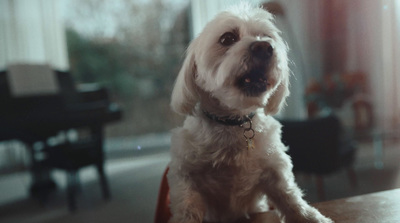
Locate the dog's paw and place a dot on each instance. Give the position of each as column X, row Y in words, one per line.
column 311, row 215
column 314, row 219
column 318, row 219
column 184, row 221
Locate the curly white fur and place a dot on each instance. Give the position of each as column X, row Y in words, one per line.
column 213, row 176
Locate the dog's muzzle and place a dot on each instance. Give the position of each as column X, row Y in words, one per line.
column 255, row 81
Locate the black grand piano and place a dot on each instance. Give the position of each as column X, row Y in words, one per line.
column 34, row 119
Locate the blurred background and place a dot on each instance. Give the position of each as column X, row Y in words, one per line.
column 113, row 65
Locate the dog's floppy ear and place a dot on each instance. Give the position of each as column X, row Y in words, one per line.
column 184, row 95
column 278, row 98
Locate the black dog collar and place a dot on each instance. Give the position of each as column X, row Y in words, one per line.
column 230, row 120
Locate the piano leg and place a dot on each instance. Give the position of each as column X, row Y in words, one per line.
column 103, row 181
column 72, row 188
column 41, row 182
column 97, row 131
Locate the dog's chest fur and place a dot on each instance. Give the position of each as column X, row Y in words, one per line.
column 222, row 169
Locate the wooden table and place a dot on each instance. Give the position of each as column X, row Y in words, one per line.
column 380, row 207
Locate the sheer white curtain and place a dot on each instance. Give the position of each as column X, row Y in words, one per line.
column 31, row 31
column 387, row 94
column 374, row 48
column 348, row 36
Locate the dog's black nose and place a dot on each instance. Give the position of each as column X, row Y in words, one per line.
column 261, row 49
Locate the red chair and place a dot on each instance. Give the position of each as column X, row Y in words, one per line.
column 163, row 214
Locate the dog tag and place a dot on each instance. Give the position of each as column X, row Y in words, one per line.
column 250, row 144
column 249, row 134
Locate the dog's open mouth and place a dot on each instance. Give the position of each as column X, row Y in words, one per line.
column 253, row 83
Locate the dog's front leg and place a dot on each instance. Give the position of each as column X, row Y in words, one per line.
column 187, row 205
column 284, row 193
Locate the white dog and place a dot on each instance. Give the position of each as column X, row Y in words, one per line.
column 228, row 157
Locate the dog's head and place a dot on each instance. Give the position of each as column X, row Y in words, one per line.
column 240, row 60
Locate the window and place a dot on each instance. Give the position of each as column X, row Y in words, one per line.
column 135, row 49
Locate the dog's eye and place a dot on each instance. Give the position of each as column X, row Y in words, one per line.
column 228, row 39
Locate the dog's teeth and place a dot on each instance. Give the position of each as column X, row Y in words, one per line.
column 247, row 80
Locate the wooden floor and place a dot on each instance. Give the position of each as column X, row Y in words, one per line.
column 135, row 178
